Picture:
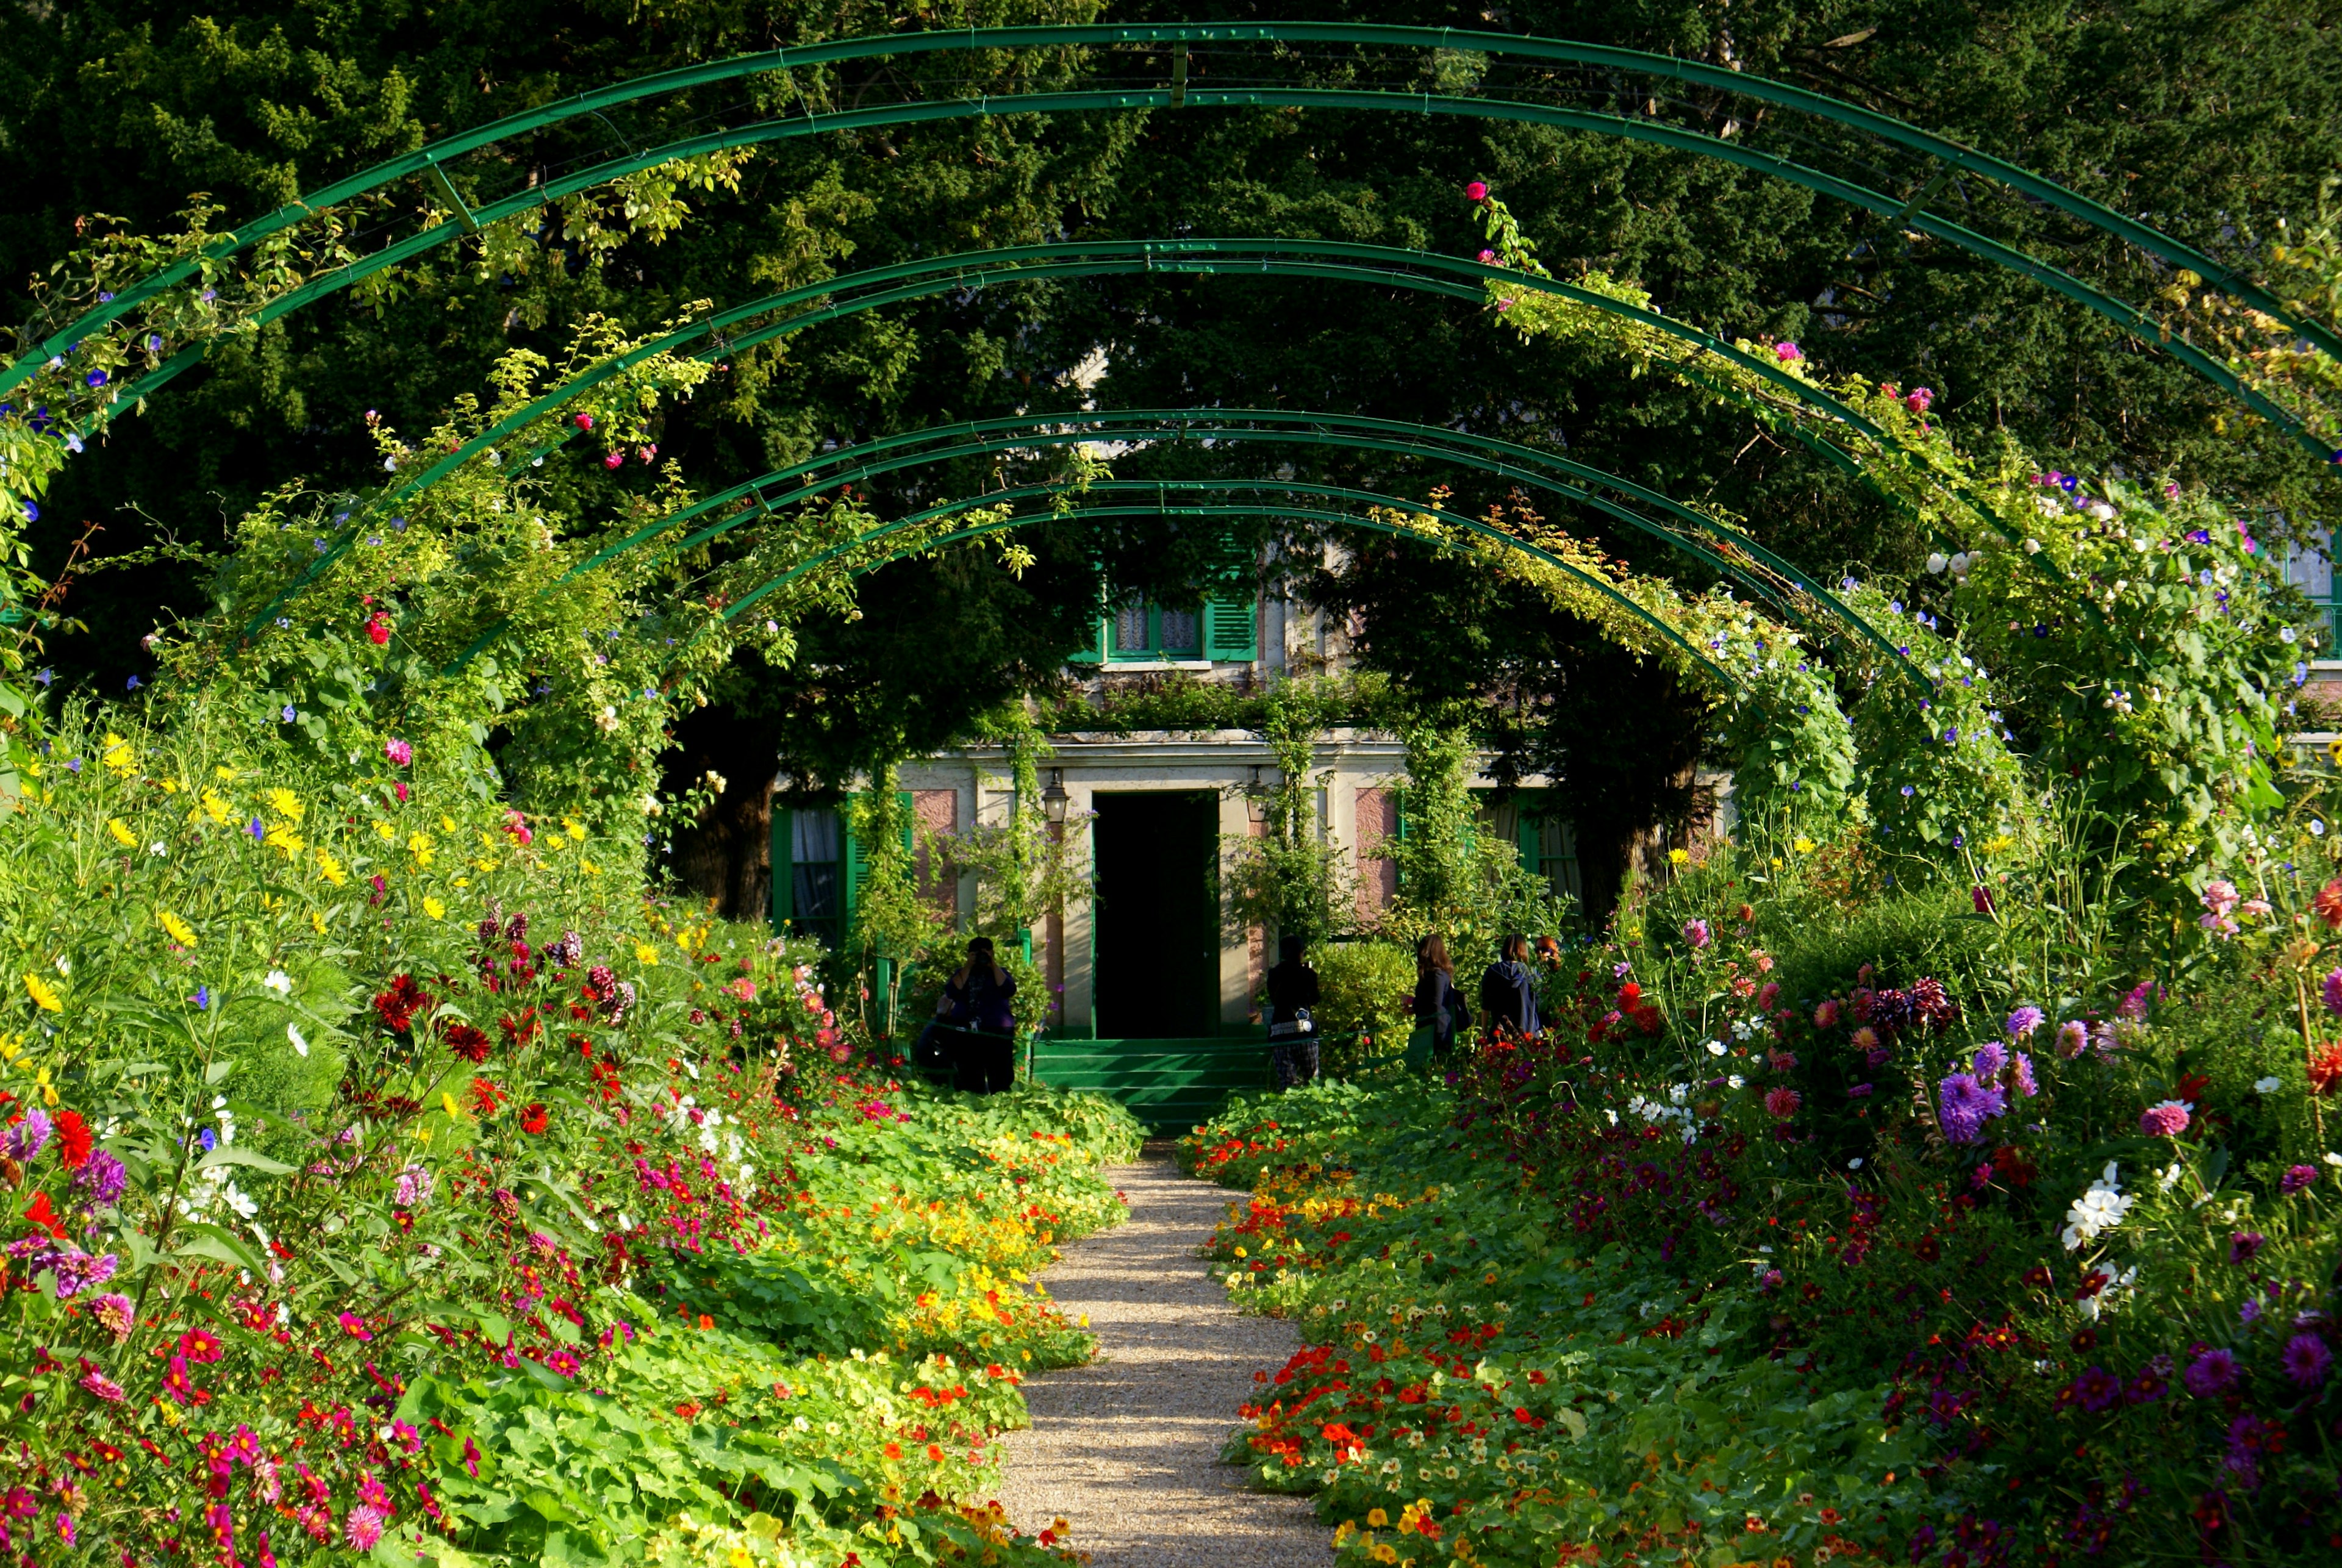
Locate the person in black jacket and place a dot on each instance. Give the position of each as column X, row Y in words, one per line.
column 980, row 994
column 1438, row 1006
column 1293, row 1038
column 1508, row 990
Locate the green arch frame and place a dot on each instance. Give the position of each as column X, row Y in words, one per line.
column 1500, row 459
column 1329, row 260
column 1162, row 507
column 1909, row 213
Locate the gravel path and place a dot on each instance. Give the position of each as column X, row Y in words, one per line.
column 1127, row 1449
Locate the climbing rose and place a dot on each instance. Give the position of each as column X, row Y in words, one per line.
column 613, row 460
column 378, row 630
column 2166, row 1119
column 1786, row 351
column 585, row 422
column 1487, row 256
column 400, row 751
column 1477, row 191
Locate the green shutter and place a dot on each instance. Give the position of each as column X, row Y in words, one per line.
column 1096, row 653
column 1528, row 830
column 857, row 863
column 1231, row 629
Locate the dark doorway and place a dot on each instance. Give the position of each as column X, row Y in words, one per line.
column 1157, row 856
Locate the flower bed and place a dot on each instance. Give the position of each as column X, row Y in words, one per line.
column 393, row 1177
column 1800, row 1238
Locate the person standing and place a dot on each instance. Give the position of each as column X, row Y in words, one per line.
column 980, row 991
column 1439, row 1007
column 1508, row 990
column 1292, row 1033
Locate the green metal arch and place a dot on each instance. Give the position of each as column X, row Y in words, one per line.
column 1908, row 213
column 1500, row 459
column 1160, row 508
column 1378, row 264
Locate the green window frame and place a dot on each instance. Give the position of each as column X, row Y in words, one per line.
column 1221, row 630
column 819, row 869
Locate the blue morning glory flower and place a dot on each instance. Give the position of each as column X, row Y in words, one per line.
column 208, row 1139
column 44, row 677
column 32, row 513
column 95, row 378
column 134, row 683
column 288, row 715
column 259, row 829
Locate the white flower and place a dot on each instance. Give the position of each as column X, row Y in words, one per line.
column 2334, row 1159
column 1936, row 562
column 1716, row 1047
column 2286, row 633
column 279, row 982
column 1735, row 1081
column 2100, row 1209
column 1855, row 1163
column 2106, row 514
column 2268, row 1086
column 156, row 848
column 293, row 1033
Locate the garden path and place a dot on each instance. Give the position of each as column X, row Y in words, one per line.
column 1127, row 1449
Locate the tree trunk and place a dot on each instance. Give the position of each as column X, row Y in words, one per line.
column 727, row 853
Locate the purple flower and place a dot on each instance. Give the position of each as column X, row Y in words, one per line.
column 2166, row 1119
column 1859, row 1092
column 2332, row 992
column 2151, row 1382
column 2306, row 1360
column 116, row 1312
column 1696, row 932
column 1786, row 351
column 202, row 999
column 29, row 1136
column 2296, row 1179
column 2250, row 1313
column 2026, row 1083
column 2133, row 1005
column 287, row 713
column 2211, row 1374
column 1990, row 1062
column 103, row 1178
column 77, row 1271
column 2096, row 1390
column 1966, row 1105
column 2024, row 1022
column 95, row 378
column 2243, row 1245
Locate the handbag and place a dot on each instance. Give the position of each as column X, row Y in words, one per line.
column 1297, row 1027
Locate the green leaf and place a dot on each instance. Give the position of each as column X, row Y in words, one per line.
column 229, row 1154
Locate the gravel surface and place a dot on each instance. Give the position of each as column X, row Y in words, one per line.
column 1127, row 1449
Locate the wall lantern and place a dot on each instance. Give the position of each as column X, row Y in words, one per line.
column 1054, row 800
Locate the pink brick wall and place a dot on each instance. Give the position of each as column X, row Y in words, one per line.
column 1377, row 879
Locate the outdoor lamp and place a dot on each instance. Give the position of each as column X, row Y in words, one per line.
column 1054, row 800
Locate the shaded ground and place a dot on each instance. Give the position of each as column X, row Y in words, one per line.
column 1127, row 1449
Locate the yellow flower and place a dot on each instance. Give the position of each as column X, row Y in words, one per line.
column 447, row 824
column 453, row 1110
column 118, row 755
column 226, row 773
column 1803, row 845
column 384, row 830
column 219, row 810
column 1678, row 857
column 287, row 804
column 420, row 842
column 44, row 995
column 591, row 869
column 331, row 867
column 122, row 835
column 575, row 828
column 284, row 838
column 316, row 922
column 1378, row 1519
column 646, row 954
column 435, row 909
column 11, row 1047
column 48, row 1089
column 176, row 928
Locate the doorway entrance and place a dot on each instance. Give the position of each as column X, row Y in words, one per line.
column 1157, row 958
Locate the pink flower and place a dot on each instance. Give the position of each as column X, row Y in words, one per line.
column 363, row 1528
column 105, row 1387
column 1767, row 994
column 585, row 421
column 355, row 1326
column 646, row 452
column 1783, row 1104
column 1919, row 400
column 1786, row 351
column 613, row 460
column 2166, row 1119
column 1477, row 191
column 2332, row 992
column 399, row 750
column 1487, row 257
column 2072, row 1037
column 1825, row 1015
column 2220, row 896
column 1695, row 932
column 517, row 826
column 398, row 788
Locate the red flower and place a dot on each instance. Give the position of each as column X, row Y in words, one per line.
column 1783, row 1103
column 199, row 1345
column 1477, row 191
column 72, row 1140
column 397, row 1006
column 486, row 1096
column 468, row 1042
column 377, row 629
column 175, row 1381
column 2325, row 1069
column 2328, row 903
column 532, row 1119
column 41, row 1215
